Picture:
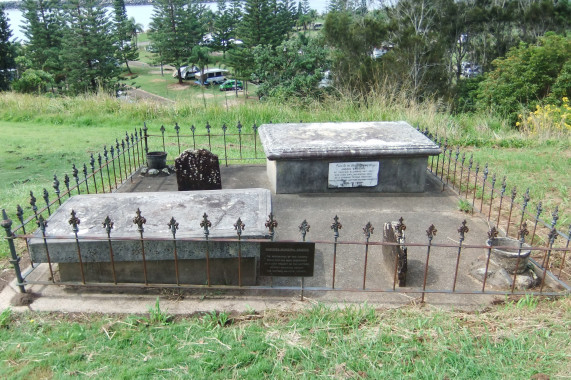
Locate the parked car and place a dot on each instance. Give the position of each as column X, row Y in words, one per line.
column 231, row 84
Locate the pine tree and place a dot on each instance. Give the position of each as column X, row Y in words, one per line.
column 175, row 29
column 256, row 27
column 88, row 50
column 225, row 24
column 6, row 51
column 44, row 29
column 123, row 33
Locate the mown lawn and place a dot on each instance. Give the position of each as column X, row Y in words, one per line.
column 516, row 340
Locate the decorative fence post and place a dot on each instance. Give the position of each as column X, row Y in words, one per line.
column 173, row 226
column 15, row 261
column 139, row 220
column 523, row 232
column 43, row 224
column 108, row 225
column 484, row 186
column 239, row 227
column 462, row 231
column 368, row 231
column 74, row 222
column 56, row 189
column 224, row 128
column 85, row 178
column 552, row 237
column 146, row 139
column 492, row 234
column 177, row 130
column 492, row 196
column 430, row 232
column 205, row 224
column 303, row 229
column 336, row 226
column 271, row 225
column 514, row 194
column 239, row 127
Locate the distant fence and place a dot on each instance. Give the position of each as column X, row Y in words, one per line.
column 119, row 161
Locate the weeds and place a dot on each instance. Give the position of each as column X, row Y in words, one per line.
column 464, row 206
column 158, row 316
column 5, row 318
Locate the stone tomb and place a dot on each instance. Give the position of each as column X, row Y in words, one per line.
column 344, row 157
column 223, row 207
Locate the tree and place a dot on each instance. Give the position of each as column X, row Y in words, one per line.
column 6, row 51
column 88, row 50
column 201, row 58
column 353, row 38
column 292, row 70
column 44, row 29
column 225, row 24
column 176, row 29
column 256, row 27
column 123, row 34
column 418, row 45
column 136, row 28
column 528, row 76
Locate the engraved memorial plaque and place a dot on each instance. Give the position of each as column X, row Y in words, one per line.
column 287, row 259
column 353, row 174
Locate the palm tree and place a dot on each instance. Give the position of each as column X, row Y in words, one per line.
column 136, row 28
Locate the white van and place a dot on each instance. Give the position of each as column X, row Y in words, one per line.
column 211, row 76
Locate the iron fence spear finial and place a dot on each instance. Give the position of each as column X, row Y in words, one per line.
column 336, row 226
column 239, row 226
column 173, row 226
column 205, row 224
column 74, row 221
column 304, row 229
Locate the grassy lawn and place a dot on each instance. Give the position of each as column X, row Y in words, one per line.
column 516, row 340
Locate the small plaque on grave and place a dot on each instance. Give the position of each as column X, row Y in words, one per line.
column 287, row 259
column 353, row 174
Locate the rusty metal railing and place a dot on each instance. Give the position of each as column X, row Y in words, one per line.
column 333, row 250
column 458, row 171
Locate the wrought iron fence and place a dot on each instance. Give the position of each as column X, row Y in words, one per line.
column 329, row 279
column 241, row 144
column 115, row 165
column 491, row 197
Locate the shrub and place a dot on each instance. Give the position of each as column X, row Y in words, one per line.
column 526, row 76
column 33, row 81
column 547, row 119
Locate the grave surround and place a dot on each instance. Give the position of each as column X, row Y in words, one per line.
column 301, row 157
column 223, row 207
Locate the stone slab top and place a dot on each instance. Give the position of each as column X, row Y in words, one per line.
column 223, row 208
column 344, row 140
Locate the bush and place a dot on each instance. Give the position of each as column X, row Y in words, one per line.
column 33, row 81
column 527, row 76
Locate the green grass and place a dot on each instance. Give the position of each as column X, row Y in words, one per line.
column 515, row 340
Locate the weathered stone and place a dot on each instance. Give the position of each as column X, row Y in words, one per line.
column 223, row 207
column 198, row 170
column 153, row 172
column 300, row 156
column 144, row 170
column 394, row 255
column 165, row 171
column 507, row 257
